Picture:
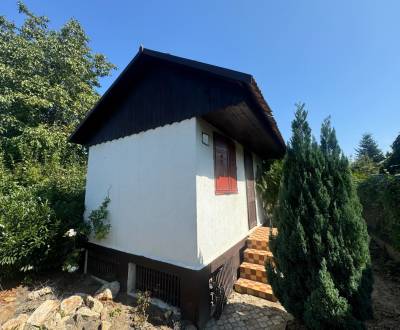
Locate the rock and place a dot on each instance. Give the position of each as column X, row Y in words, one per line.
column 105, row 325
column 6, row 313
column 167, row 314
column 108, row 291
column 34, row 295
column 17, row 323
column 104, row 314
column 105, row 294
column 94, row 304
column 71, row 304
column 42, row 313
column 55, row 323
column 87, row 313
column 85, row 322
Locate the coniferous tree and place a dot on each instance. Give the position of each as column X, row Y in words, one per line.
column 368, row 147
column 320, row 272
column 392, row 163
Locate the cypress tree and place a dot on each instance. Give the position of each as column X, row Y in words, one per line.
column 321, row 269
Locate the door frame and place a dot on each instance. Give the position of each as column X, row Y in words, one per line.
column 250, row 189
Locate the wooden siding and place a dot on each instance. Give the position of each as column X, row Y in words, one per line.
column 164, row 93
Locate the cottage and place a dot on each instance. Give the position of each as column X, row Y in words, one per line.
column 176, row 144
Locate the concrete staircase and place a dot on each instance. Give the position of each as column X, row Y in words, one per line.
column 253, row 278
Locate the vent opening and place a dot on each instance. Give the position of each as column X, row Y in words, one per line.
column 161, row 285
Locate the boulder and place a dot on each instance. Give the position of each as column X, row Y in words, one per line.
column 17, row 323
column 105, row 325
column 104, row 314
column 87, row 313
column 54, row 323
column 108, row 291
column 94, row 304
column 34, row 295
column 71, row 304
column 42, row 313
column 6, row 312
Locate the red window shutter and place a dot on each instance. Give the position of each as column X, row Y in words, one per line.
column 225, row 165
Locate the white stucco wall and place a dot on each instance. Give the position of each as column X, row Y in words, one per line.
column 221, row 219
column 151, row 182
column 163, row 203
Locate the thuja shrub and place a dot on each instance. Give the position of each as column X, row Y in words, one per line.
column 321, row 272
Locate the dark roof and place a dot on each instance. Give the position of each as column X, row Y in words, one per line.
column 258, row 110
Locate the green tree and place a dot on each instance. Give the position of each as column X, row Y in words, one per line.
column 392, row 163
column 321, row 270
column 368, row 147
column 48, row 81
column 268, row 181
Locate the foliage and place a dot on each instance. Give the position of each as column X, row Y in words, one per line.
column 321, row 272
column 143, row 303
column 363, row 168
column 268, row 181
column 380, row 197
column 47, row 83
column 368, row 147
column 392, row 163
column 98, row 220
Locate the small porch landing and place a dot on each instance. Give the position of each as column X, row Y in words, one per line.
column 253, row 278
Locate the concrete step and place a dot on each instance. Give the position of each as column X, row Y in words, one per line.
column 253, row 288
column 254, row 256
column 253, row 272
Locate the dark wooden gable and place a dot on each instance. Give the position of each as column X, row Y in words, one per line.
column 155, row 92
column 163, row 95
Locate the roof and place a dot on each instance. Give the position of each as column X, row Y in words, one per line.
column 87, row 127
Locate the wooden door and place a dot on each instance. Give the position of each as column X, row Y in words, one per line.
column 250, row 191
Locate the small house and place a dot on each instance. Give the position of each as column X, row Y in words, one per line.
column 176, row 145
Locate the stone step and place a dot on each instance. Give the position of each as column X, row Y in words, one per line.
column 254, row 256
column 254, row 272
column 253, row 288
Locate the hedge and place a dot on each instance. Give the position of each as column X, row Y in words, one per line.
column 380, row 198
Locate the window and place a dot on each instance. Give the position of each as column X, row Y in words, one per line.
column 224, row 165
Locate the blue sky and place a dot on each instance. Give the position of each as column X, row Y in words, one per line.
column 342, row 58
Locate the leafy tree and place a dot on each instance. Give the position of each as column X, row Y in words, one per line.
column 268, row 181
column 363, row 168
column 321, row 271
column 48, row 81
column 368, row 147
column 392, row 163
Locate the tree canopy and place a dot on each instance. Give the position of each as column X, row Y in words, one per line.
column 368, row 147
column 48, row 81
column 392, row 163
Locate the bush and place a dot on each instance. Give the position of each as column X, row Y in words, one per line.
column 269, row 176
column 35, row 218
column 321, row 273
column 380, row 198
